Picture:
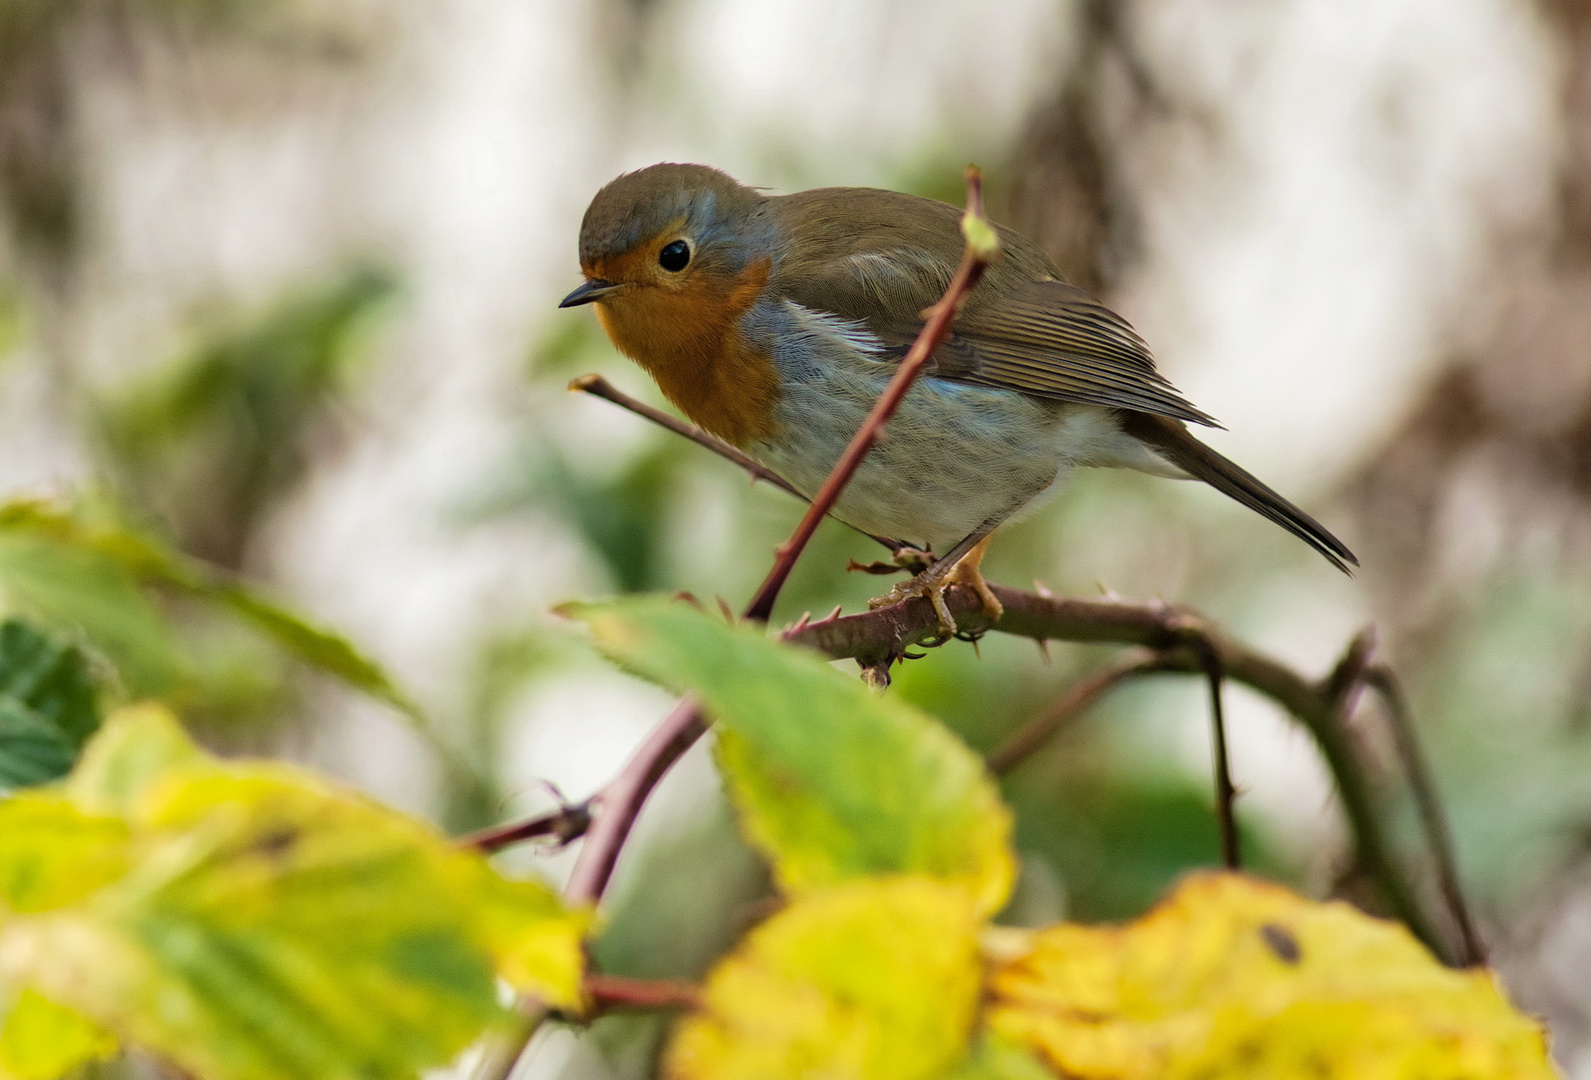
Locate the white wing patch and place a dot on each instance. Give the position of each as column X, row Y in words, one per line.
column 852, row 335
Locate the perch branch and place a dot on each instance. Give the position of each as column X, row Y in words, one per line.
column 975, row 257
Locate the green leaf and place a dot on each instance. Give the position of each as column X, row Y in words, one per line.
column 77, row 589
column 40, row 1040
column 832, row 781
column 114, row 561
column 47, row 706
column 250, row 921
column 875, row 980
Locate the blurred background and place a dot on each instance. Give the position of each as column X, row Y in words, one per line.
column 278, row 283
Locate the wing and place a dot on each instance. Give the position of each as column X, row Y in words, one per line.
column 1021, row 329
column 1049, row 339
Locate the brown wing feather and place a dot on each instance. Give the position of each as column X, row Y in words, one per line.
column 1021, row 330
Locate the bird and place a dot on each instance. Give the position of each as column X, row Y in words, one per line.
column 775, row 321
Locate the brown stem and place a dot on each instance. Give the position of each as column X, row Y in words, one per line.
column 933, row 334
column 1079, row 696
column 1438, row 834
column 621, row 801
column 612, row 993
column 1225, row 793
column 564, row 825
column 597, row 386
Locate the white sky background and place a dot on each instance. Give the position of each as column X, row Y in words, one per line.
column 1304, row 258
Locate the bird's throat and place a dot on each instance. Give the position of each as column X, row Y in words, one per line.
column 688, row 339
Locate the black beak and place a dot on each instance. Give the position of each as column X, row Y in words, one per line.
column 593, row 289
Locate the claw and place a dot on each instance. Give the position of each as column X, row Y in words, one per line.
column 932, row 583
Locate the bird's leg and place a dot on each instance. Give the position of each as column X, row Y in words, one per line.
column 958, row 566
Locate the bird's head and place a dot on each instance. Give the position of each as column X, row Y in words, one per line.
column 669, row 230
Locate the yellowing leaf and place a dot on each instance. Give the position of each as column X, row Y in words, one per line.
column 264, row 924
column 138, row 745
column 40, row 1040
column 998, row 1058
column 873, row 980
column 1233, row 978
column 53, row 854
column 832, row 781
column 534, row 940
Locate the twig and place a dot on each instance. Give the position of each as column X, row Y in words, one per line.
column 1438, row 834
column 621, row 801
column 565, row 825
column 597, row 386
column 974, row 259
column 1079, row 697
column 613, row 993
column 1225, row 793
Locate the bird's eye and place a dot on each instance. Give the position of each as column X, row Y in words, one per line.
column 674, row 257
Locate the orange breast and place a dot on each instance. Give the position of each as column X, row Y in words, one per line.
column 687, row 338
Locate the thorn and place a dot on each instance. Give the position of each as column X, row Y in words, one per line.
column 1044, row 648
column 801, row 623
column 1042, row 589
column 689, row 598
column 977, row 652
column 831, row 616
column 1106, row 591
column 729, row 614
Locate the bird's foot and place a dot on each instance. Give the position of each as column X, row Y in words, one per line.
column 969, row 572
column 930, row 585
column 932, row 582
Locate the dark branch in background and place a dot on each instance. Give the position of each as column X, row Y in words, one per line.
column 981, row 247
column 1225, row 793
column 1079, row 697
column 1423, row 785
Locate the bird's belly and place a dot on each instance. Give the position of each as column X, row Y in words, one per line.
column 953, row 458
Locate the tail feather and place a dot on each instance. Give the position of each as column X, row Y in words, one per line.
column 1171, row 440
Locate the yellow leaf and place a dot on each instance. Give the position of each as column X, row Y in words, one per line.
column 876, row 980
column 136, row 746
column 534, row 940
column 1234, row 978
column 252, row 921
column 52, row 853
column 40, row 1040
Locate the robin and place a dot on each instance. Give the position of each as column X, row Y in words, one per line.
column 775, row 322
